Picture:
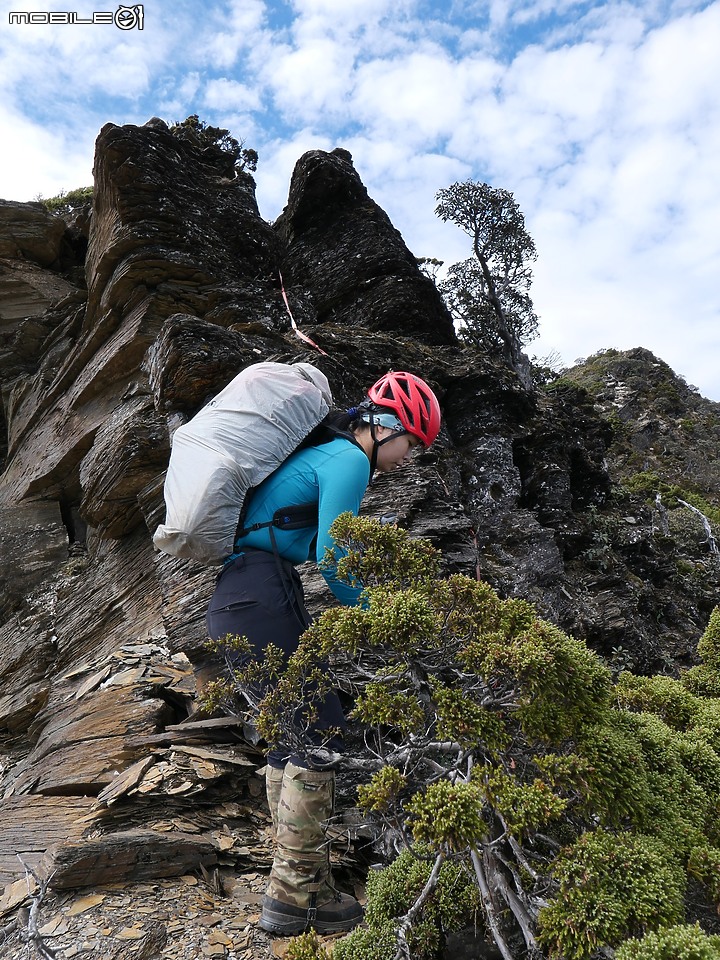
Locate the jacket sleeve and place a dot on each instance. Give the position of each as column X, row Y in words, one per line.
column 342, row 481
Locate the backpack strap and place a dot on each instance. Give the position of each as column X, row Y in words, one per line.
column 295, row 517
column 286, row 518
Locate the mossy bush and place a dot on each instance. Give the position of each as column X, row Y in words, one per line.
column 453, row 904
column 664, row 696
column 704, row 865
column 569, row 807
column 307, row 947
column 611, row 887
column 648, row 484
column 704, row 679
column 678, row 942
column 709, row 645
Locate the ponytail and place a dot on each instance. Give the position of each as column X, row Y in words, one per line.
column 336, row 423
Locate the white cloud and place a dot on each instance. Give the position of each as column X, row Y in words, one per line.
column 418, row 98
column 70, row 58
column 175, row 99
column 577, row 84
column 331, row 16
column 230, row 29
column 224, row 94
column 309, row 81
column 25, row 171
column 677, row 75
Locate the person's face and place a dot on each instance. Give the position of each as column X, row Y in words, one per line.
column 395, row 452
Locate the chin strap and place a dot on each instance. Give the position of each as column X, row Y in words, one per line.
column 378, row 443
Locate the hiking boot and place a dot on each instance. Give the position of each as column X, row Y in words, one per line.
column 300, row 893
column 273, row 789
column 338, row 915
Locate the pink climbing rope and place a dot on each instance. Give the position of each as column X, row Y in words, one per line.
column 298, row 331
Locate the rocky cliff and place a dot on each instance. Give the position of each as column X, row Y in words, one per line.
column 593, row 495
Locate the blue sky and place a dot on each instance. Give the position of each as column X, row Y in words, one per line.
column 603, row 119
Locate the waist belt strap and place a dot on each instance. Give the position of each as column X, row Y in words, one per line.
column 295, row 517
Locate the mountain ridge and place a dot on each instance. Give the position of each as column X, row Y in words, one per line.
column 116, row 325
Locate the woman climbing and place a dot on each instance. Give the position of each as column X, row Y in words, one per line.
column 259, row 596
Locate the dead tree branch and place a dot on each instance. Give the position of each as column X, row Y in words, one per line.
column 403, row 952
column 31, row 933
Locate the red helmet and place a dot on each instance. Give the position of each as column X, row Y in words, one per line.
column 412, row 400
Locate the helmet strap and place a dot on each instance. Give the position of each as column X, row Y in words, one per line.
column 378, row 443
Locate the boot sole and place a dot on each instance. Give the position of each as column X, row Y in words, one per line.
column 277, row 923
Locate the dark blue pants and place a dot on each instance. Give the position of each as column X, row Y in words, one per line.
column 259, row 596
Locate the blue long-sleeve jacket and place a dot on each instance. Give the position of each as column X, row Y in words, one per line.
column 334, row 475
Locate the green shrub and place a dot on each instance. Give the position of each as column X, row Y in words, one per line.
column 614, row 781
column 702, row 680
column 647, row 484
column 611, row 887
column 704, row 865
column 681, row 942
column 663, row 696
column 523, row 806
column 383, row 789
column 67, row 202
column 447, row 815
column 204, row 135
column 709, row 645
column 363, row 944
column 392, row 891
column 306, row 947
column 493, row 737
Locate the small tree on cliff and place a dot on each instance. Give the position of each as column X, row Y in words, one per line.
column 521, row 789
column 68, row 202
column 200, row 132
column 489, row 293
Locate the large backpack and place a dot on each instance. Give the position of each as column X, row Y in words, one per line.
column 232, row 445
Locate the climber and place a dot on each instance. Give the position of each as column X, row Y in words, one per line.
column 259, row 596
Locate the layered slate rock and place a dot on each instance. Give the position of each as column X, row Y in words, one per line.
column 341, row 245
column 156, row 247
column 29, row 232
column 173, row 229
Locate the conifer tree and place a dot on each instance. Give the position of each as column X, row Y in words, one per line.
column 488, row 294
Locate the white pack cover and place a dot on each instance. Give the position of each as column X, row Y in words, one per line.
column 232, row 444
